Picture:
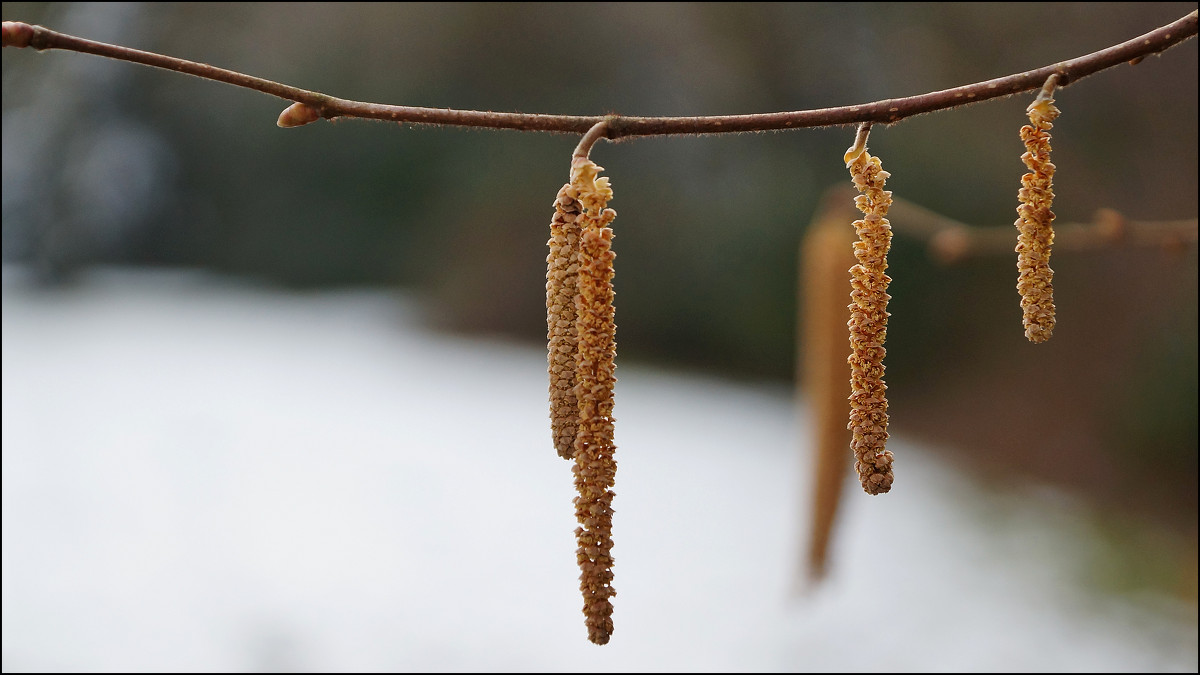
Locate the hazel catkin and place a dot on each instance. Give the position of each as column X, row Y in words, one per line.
column 1035, row 231
column 562, row 272
column 595, row 467
column 868, row 322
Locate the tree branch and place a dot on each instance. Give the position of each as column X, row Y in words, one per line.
column 889, row 111
column 1108, row 229
column 950, row 241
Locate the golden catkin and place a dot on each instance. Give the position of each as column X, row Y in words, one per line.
column 562, row 271
column 595, row 468
column 1035, row 233
column 868, row 325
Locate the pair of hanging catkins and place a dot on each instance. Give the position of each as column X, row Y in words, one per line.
column 869, row 282
column 581, row 336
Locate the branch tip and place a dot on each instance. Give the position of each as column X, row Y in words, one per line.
column 17, row 34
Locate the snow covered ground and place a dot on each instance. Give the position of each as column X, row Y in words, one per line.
column 204, row 475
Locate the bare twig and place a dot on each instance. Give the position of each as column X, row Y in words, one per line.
column 951, row 241
column 889, row 111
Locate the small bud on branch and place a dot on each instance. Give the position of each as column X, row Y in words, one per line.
column 297, row 115
column 17, row 34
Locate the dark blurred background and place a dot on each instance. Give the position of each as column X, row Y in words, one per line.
column 111, row 163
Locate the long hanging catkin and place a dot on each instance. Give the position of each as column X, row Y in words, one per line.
column 562, row 271
column 868, row 320
column 595, row 468
column 1035, row 232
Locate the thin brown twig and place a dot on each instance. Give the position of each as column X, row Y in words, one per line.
column 950, row 241
column 17, row 34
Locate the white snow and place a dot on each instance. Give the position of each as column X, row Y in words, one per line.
column 205, row 475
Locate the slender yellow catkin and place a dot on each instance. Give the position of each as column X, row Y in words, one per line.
column 868, row 321
column 1035, row 232
column 595, row 468
column 562, row 271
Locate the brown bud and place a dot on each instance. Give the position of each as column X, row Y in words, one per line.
column 1110, row 225
column 297, row 115
column 950, row 245
column 17, row 34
